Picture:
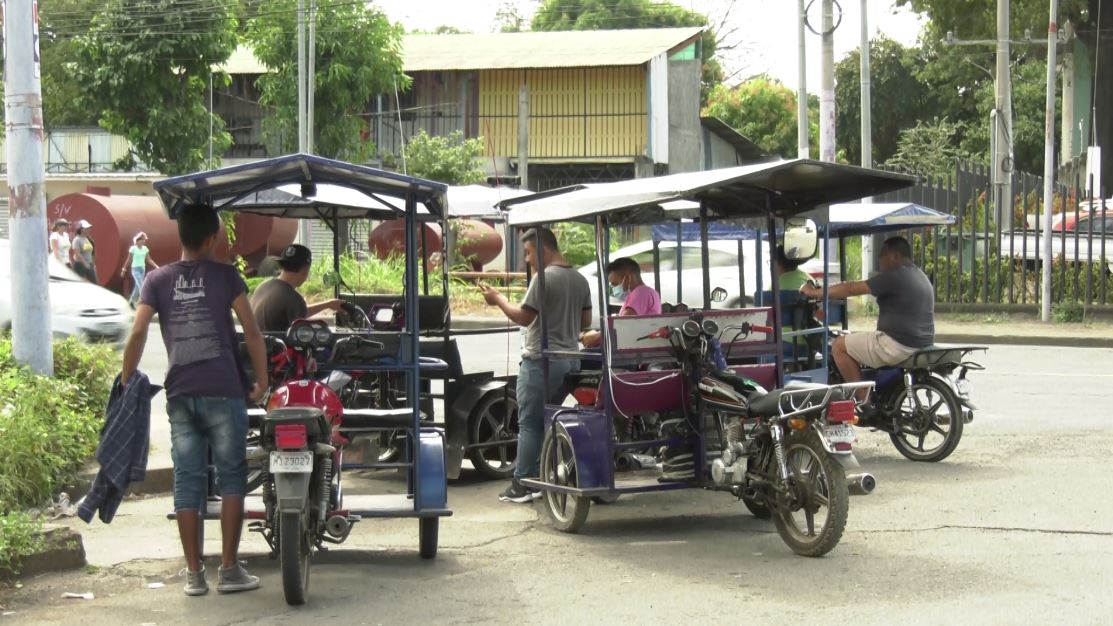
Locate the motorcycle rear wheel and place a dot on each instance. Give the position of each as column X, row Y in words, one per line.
column 558, row 466
column 917, row 411
column 293, row 548
column 818, row 483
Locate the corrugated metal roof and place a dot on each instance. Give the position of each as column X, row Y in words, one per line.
column 583, row 48
column 586, row 48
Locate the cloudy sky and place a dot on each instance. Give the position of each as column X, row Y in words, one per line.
column 765, row 32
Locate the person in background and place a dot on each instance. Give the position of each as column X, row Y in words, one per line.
column 625, row 277
column 567, row 306
column 276, row 304
column 84, row 254
column 206, row 387
column 60, row 242
column 792, row 277
column 139, row 258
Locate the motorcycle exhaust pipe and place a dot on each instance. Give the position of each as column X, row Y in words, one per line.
column 338, row 527
column 861, row 484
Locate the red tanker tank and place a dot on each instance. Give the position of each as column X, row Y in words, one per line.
column 389, row 238
column 116, row 219
column 477, row 242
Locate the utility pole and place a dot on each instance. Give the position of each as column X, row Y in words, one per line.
column 802, row 127
column 303, row 135
column 311, row 81
column 523, row 134
column 867, row 131
column 827, row 86
column 31, row 330
column 1003, row 133
column 1049, row 158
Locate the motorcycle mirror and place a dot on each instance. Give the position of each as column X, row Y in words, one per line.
column 800, row 239
column 384, row 315
column 719, row 295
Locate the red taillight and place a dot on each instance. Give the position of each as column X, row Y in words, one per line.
column 842, row 446
column 841, row 411
column 585, row 396
column 290, row 436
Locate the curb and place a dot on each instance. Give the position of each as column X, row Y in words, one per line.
column 1026, row 340
column 64, row 551
column 159, row 480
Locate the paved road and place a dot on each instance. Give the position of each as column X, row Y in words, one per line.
column 1014, row 527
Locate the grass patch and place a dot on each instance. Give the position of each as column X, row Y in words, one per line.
column 1068, row 312
column 49, row 428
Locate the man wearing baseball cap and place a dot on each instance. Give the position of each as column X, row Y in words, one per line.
column 276, row 303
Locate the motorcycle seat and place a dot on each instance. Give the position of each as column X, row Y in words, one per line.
column 935, row 356
column 768, row 405
column 377, row 419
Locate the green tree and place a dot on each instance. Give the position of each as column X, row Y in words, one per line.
column 627, row 14
column 450, row 159
column 144, row 67
column 764, row 111
column 60, row 22
column 359, row 54
column 929, row 148
column 898, row 98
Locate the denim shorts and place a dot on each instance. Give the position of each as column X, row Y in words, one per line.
column 198, row 424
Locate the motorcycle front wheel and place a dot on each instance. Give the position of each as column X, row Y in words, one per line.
column 928, row 420
column 293, row 548
column 811, row 515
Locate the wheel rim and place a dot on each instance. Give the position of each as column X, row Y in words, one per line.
column 808, row 513
column 924, row 423
column 560, row 469
column 497, row 421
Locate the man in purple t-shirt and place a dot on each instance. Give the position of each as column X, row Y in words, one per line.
column 625, row 277
column 205, row 386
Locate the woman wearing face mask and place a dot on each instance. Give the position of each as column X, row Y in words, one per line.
column 638, row 298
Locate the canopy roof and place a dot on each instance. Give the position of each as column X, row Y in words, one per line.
column 788, row 187
column 862, row 219
column 303, row 186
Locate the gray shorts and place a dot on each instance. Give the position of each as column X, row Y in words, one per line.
column 876, row 349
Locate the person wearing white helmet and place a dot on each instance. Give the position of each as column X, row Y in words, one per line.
column 83, row 253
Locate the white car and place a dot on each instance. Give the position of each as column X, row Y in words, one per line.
column 723, row 264
column 79, row 307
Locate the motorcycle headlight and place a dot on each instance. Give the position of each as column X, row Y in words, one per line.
column 303, row 334
column 322, row 335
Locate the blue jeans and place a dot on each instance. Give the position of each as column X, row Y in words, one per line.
column 531, row 408
column 137, row 275
column 222, row 424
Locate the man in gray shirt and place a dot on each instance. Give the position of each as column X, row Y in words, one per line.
column 906, row 318
column 567, row 307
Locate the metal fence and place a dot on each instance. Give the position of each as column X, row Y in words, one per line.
column 995, row 254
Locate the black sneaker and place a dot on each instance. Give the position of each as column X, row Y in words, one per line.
column 868, row 414
column 519, row 493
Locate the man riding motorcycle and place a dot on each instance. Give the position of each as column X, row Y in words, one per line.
column 906, row 318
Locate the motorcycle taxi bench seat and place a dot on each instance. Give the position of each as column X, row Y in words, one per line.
column 377, row 419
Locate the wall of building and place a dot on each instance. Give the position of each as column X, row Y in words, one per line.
column 717, row 152
column 578, row 113
column 685, row 137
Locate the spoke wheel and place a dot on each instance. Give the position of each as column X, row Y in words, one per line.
column 811, row 513
column 928, row 421
column 294, row 546
column 494, row 419
column 558, row 467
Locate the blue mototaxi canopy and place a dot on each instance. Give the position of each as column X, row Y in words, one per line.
column 304, row 186
column 866, row 219
column 689, row 231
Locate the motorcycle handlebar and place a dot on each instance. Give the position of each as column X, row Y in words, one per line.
column 660, row 333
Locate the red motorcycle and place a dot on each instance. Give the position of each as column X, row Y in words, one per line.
column 303, row 431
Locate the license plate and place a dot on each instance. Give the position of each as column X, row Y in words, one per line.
column 839, row 433
column 291, row 462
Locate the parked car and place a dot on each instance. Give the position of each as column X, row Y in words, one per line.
column 78, row 307
column 1093, row 232
column 723, row 262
